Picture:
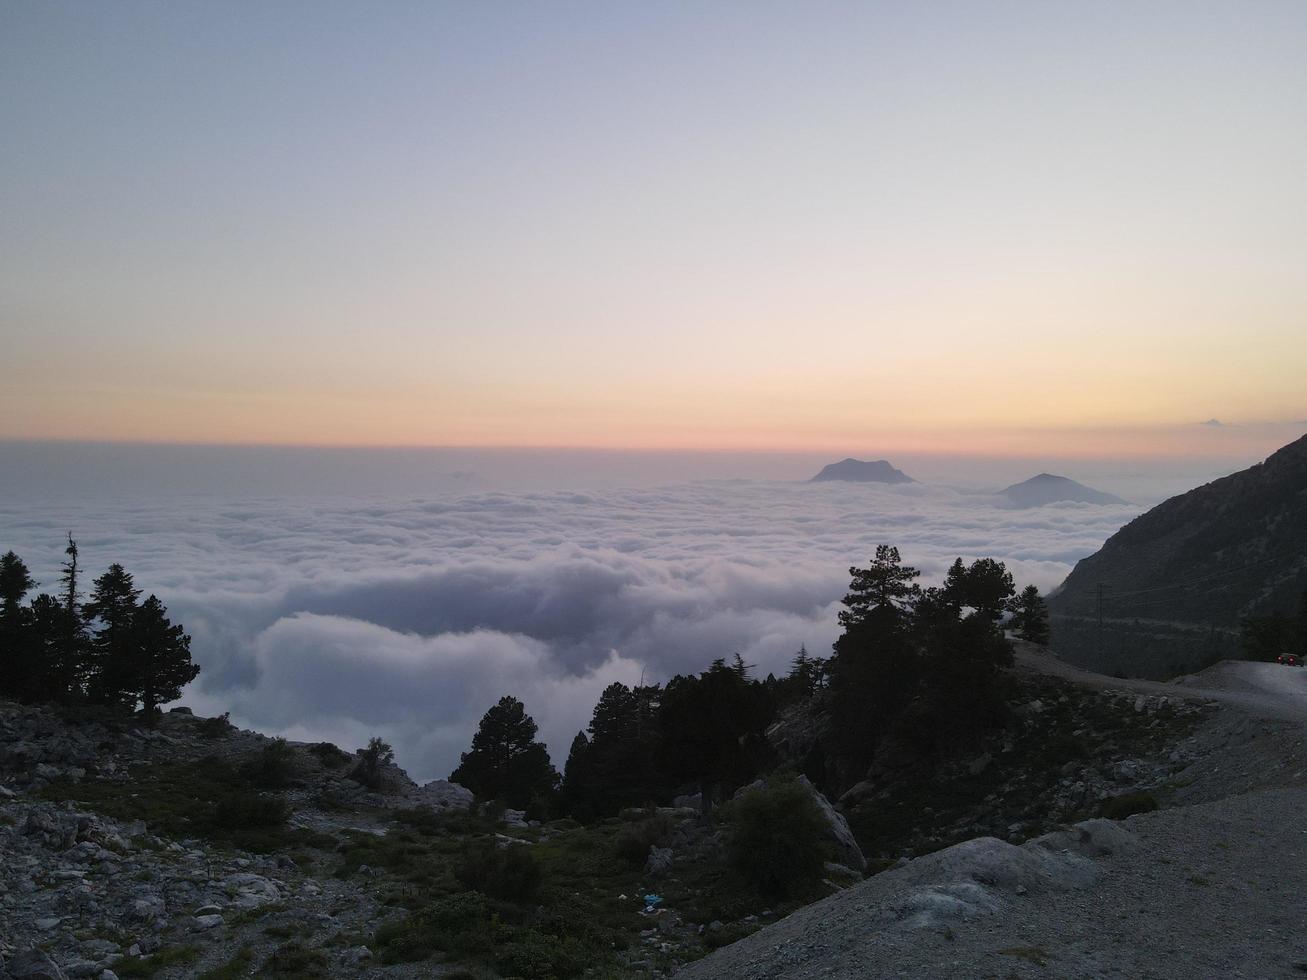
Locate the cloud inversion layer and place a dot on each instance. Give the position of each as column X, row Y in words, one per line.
column 407, row 617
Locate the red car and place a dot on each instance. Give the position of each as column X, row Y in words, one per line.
column 1289, row 660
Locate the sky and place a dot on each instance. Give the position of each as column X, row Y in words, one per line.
column 994, row 228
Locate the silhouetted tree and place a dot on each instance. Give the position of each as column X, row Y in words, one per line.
column 69, row 664
column 17, row 666
column 48, row 677
column 884, row 590
column 1030, row 616
column 712, row 729
column 506, row 763
column 623, row 746
column 160, row 659
column 876, row 667
column 909, row 663
column 111, row 649
column 807, row 676
column 986, row 586
column 578, row 780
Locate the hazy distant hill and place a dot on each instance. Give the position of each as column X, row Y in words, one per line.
column 862, row 471
column 1177, row 580
column 1047, row 489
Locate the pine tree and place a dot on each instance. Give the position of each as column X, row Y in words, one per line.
column 578, row 780
column 160, row 659
column 886, row 590
column 46, row 678
column 989, row 588
column 712, row 729
column 506, row 763
column 1030, row 616
column 67, row 671
column 111, row 650
column 17, row 665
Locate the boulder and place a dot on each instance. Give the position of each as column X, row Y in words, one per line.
column 249, row 891
column 837, row 829
column 659, row 863
column 441, row 794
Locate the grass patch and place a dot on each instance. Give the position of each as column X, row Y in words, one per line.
column 148, row 966
column 239, row 965
column 209, row 798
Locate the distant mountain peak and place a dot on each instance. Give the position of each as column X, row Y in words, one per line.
column 1048, row 488
column 853, row 470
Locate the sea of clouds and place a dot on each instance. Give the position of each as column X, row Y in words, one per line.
column 407, row 615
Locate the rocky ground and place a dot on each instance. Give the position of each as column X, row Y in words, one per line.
column 155, row 851
column 1209, row 885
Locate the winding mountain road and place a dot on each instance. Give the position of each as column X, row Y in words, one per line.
column 1265, row 690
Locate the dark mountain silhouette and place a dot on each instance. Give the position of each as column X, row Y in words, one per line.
column 862, row 471
column 1047, row 489
column 1177, row 580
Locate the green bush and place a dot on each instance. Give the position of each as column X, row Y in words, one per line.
column 217, row 727
column 331, row 756
column 510, row 874
column 271, row 766
column 634, row 840
column 776, row 839
column 1128, row 804
column 461, row 925
column 243, row 810
column 533, row 955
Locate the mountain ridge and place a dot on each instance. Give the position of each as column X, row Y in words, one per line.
column 852, row 470
column 1047, row 488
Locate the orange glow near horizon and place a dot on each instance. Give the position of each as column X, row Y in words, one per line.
column 657, row 227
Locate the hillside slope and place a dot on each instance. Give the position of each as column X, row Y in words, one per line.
column 1177, row 579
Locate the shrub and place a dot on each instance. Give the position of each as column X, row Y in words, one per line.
column 535, row 956
column 372, row 762
column 271, row 766
column 240, row 811
column 461, row 925
column 775, row 839
column 218, row 727
column 510, row 874
column 1128, row 804
column 331, row 756
column 634, row 840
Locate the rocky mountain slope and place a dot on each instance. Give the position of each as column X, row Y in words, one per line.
column 1049, row 489
column 862, row 471
column 1177, row 579
column 160, row 851
column 195, row 849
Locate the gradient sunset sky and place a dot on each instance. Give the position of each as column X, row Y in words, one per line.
column 979, row 226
